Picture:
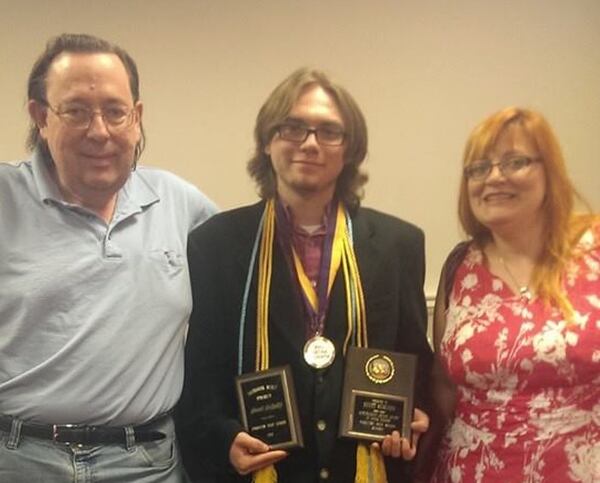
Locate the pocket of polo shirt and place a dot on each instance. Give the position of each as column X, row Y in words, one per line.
column 170, row 261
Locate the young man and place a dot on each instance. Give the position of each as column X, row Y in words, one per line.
column 288, row 269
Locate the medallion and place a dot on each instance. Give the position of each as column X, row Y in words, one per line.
column 379, row 368
column 319, row 352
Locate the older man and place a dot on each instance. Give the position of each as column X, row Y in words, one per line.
column 285, row 282
column 95, row 286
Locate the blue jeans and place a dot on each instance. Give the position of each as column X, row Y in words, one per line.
column 29, row 460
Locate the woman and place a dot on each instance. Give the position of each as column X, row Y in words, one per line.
column 518, row 315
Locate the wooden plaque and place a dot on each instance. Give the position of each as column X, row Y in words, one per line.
column 378, row 394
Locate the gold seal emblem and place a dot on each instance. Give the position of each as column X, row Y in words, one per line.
column 379, row 369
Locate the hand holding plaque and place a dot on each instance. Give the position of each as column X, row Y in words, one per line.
column 268, row 408
column 378, row 394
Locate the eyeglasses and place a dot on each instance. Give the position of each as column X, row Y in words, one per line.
column 326, row 135
column 481, row 169
column 115, row 118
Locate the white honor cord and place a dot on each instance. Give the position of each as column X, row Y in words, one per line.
column 246, row 294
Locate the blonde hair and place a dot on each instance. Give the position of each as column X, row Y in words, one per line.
column 563, row 228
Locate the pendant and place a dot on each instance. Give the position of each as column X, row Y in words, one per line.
column 319, row 352
column 525, row 293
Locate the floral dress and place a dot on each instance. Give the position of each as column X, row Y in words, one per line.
column 528, row 382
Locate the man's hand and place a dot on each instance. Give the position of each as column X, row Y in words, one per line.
column 395, row 446
column 248, row 454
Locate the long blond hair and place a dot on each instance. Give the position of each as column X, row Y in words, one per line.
column 563, row 228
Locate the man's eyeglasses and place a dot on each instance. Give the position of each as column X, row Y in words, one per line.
column 481, row 169
column 326, row 135
column 116, row 118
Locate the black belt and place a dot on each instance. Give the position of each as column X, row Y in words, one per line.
column 90, row 435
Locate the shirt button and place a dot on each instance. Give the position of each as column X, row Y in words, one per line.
column 321, row 425
column 324, row 473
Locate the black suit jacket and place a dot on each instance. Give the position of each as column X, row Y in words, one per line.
column 390, row 255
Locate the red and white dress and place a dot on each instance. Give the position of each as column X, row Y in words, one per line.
column 528, row 381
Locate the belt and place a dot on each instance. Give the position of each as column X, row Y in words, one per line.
column 90, row 435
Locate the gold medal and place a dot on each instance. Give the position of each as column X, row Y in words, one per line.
column 319, row 352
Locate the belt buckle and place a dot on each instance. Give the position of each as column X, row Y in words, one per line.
column 58, row 428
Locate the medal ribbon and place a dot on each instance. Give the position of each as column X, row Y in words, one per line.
column 317, row 301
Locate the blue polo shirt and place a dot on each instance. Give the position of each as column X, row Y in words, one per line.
column 93, row 316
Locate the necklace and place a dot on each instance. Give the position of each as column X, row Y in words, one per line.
column 524, row 291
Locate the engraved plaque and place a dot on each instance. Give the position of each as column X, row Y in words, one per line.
column 378, row 394
column 268, row 409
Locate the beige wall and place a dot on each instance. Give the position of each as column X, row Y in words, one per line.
column 424, row 72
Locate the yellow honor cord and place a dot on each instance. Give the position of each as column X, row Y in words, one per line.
column 268, row 474
column 349, row 314
column 265, row 475
column 355, row 299
column 264, row 286
column 370, row 466
column 341, row 233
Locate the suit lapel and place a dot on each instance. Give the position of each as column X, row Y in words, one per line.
column 368, row 254
column 247, row 228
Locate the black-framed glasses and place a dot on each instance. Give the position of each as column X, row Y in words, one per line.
column 115, row 118
column 481, row 169
column 298, row 133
